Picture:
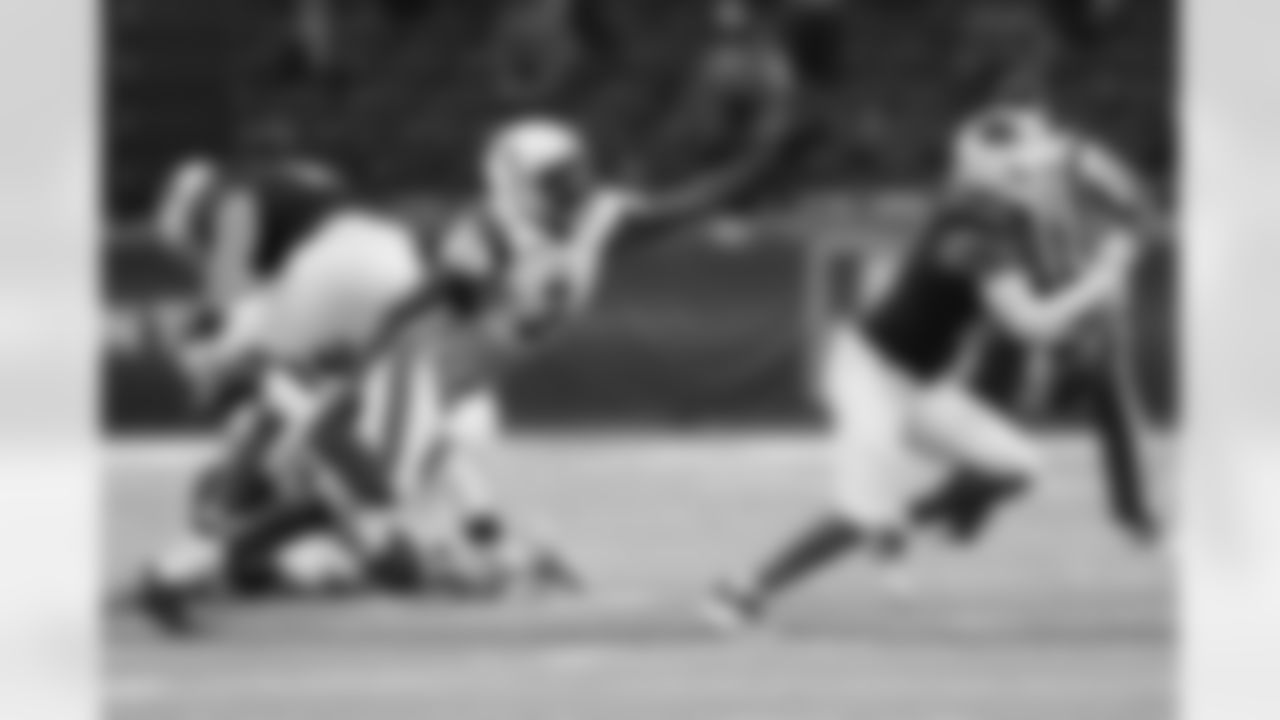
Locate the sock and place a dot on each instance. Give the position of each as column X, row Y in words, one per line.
column 814, row 548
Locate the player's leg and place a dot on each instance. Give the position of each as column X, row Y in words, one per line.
column 429, row 439
column 472, row 429
column 321, row 524
column 242, row 510
column 964, row 505
column 245, row 559
column 858, row 523
column 874, row 479
column 384, row 451
column 336, row 290
column 995, row 460
column 1111, row 391
column 232, row 480
column 269, row 446
column 337, row 293
column 314, row 531
column 523, row 555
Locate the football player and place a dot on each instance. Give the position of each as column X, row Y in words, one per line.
column 904, row 416
column 509, row 272
column 1080, row 188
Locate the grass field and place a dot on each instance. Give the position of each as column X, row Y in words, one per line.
column 1057, row 617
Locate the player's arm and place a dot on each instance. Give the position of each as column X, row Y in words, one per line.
column 1117, row 185
column 459, row 275
column 714, row 187
column 174, row 214
column 229, row 266
column 653, row 215
column 771, row 126
column 1012, row 298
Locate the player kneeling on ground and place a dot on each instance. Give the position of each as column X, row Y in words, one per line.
column 324, row 519
column 904, row 418
column 326, row 300
column 335, row 303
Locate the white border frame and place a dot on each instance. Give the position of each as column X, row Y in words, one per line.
column 1230, row 546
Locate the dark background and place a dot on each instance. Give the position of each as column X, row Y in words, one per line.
column 397, row 93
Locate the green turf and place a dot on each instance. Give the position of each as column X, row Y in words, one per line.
column 1056, row 618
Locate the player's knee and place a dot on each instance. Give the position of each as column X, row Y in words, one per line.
column 1009, row 455
column 872, row 513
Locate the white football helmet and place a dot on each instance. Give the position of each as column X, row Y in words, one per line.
column 1013, row 153
column 525, row 152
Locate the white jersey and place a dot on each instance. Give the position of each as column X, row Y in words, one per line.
column 533, row 281
column 527, row 282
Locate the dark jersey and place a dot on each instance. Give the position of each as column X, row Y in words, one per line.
column 291, row 204
column 926, row 319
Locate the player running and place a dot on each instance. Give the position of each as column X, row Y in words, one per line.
column 896, row 386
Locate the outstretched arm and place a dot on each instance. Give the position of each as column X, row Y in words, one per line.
column 770, row 127
column 717, row 185
column 1011, row 296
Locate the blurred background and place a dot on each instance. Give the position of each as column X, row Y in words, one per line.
column 396, row 95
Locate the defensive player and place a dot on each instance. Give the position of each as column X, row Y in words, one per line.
column 904, row 417
column 1079, row 185
column 326, row 299
column 525, row 261
column 261, row 525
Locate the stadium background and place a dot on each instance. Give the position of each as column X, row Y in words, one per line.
column 685, row 335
